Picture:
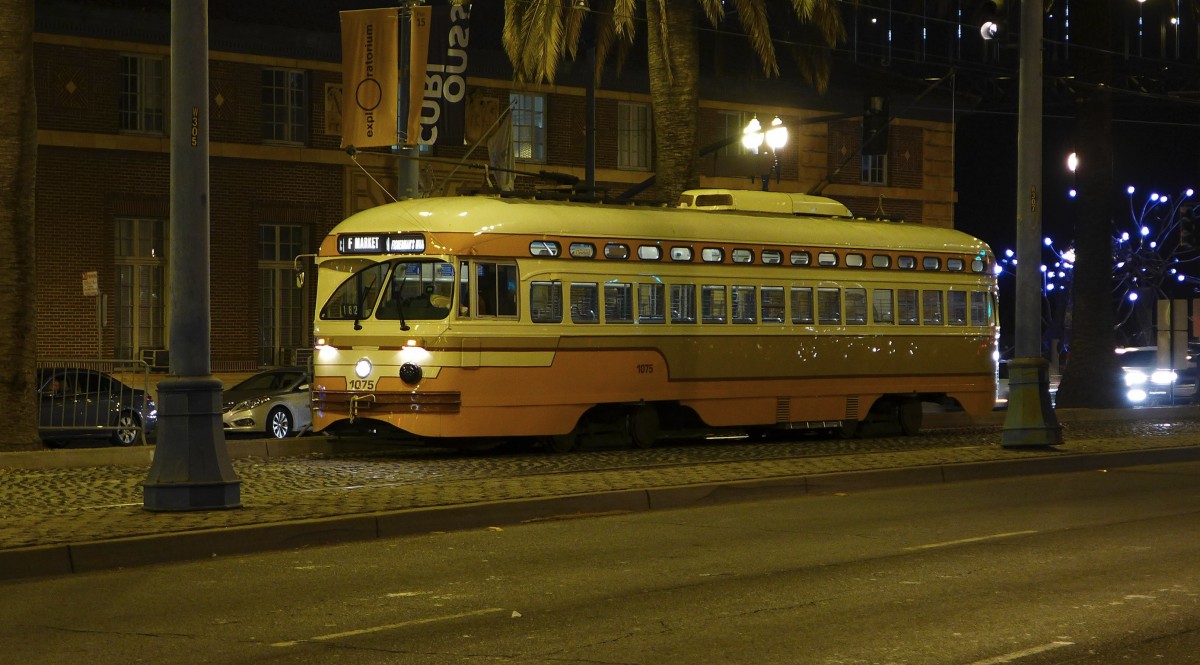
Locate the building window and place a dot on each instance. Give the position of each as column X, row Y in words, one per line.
column 633, row 136
column 283, row 325
column 874, row 169
column 528, row 127
column 143, row 94
column 284, row 105
column 730, row 124
column 141, row 262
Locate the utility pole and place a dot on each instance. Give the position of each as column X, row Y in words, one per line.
column 1030, row 420
column 191, row 469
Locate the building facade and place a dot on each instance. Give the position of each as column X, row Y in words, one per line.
column 279, row 180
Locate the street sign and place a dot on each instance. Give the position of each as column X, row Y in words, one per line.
column 91, row 283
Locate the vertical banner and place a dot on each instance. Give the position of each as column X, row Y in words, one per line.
column 370, row 76
column 439, row 75
column 418, row 59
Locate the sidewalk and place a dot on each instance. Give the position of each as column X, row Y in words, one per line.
column 80, row 510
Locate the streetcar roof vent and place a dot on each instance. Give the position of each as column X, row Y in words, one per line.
column 779, row 203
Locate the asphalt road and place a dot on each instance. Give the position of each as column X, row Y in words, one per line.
column 1095, row 567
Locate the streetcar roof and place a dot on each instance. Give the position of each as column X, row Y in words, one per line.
column 482, row 216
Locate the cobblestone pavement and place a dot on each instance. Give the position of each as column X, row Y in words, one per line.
column 75, row 505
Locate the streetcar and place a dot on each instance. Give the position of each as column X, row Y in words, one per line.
column 486, row 317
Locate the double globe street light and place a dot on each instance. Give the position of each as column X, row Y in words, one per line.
column 753, row 137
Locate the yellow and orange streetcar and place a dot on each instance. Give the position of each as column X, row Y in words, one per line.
column 476, row 316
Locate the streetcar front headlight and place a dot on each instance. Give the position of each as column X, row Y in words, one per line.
column 362, row 368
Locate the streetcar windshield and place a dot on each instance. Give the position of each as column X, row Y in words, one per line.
column 404, row 290
column 418, row 290
column 355, row 298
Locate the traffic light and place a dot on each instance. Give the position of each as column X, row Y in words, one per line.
column 875, row 126
column 1187, row 227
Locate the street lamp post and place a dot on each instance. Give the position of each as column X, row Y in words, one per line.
column 754, row 136
column 1030, row 420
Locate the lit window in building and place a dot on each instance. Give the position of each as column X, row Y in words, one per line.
column 529, row 127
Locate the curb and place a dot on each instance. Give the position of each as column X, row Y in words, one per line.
column 92, row 556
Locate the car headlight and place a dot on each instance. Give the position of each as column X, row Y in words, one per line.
column 1163, row 377
column 1136, row 395
column 246, row 405
column 1135, row 377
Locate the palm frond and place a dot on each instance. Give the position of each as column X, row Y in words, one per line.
column 753, row 16
column 622, row 18
column 714, row 10
column 823, row 16
column 575, row 15
column 544, row 39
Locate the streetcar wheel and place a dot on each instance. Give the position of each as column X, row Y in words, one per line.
column 562, row 443
column 643, row 426
column 849, row 429
column 908, row 415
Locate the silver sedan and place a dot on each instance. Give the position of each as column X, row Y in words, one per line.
column 275, row 402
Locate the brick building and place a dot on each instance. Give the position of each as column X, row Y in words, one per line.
column 279, row 182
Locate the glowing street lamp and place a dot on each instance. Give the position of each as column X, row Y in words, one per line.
column 775, row 138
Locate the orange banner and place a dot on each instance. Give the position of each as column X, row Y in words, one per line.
column 370, row 77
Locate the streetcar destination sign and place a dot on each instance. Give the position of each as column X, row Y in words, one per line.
column 376, row 243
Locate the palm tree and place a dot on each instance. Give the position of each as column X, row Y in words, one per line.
column 538, row 33
column 1091, row 377
column 18, row 167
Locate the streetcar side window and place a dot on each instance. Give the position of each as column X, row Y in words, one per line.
column 979, row 308
column 931, row 308
column 618, row 303
column 545, row 302
column 956, row 308
column 881, row 306
column 506, row 289
column 907, row 308
column 829, row 305
column 802, row 304
column 856, row 306
column 651, row 308
column 745, row 305
column 712, row 303
column 683, row 303
column 772, row 304
column 585, row 303
column 496, row 286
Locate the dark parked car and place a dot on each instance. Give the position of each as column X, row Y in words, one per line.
column 275, row 402
column 76, row 403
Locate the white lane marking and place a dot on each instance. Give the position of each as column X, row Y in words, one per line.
column 1017, row 655
column 390, row 626
column 977, row 539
